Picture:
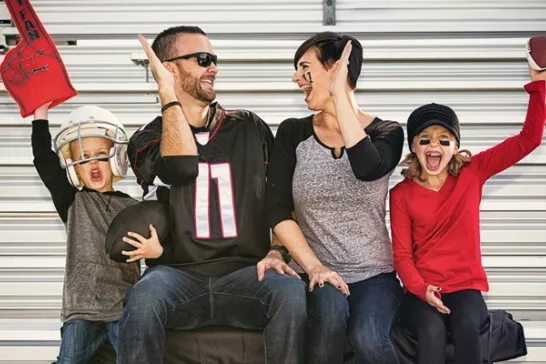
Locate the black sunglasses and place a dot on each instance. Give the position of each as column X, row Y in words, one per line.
column 204, row 59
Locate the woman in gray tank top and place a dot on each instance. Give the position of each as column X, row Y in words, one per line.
column 327, row 186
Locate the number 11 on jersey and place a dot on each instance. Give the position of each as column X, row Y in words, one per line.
column 221, row 174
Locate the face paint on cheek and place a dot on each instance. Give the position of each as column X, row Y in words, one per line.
column 424, row 142
column 308, row 77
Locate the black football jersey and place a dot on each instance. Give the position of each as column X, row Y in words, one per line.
column 218, row 218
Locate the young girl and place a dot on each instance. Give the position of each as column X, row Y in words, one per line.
column 436, row 228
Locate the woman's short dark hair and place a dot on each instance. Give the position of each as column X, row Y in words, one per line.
column 329, row 46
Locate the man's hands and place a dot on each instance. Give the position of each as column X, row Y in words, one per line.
column 163, row 77
column 434, row 300
column 273, row 260
column 145, row 248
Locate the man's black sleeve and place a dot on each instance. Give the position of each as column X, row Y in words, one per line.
column 148, row 164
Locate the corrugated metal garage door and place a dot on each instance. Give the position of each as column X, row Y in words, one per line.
column 468, row 54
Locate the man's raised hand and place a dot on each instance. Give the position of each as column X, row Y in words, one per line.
column 163, row 77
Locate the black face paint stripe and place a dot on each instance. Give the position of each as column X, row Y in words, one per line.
column 444, row 143
column 308, row 78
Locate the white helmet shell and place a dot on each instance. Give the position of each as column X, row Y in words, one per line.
column 92, row 121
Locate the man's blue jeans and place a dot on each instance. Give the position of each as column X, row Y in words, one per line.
column 171, row 298
column 80, row 339
column 364, row 319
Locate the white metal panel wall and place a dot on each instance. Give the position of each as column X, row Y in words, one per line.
column 107, row 19
column 426, row 16
column 481, row 76
column 77, row 19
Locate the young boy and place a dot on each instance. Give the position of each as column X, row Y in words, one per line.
column 91, row 147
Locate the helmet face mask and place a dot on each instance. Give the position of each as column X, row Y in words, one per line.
column 92, row 121
column 84, row 129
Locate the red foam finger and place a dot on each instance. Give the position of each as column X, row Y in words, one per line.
column 33, row 72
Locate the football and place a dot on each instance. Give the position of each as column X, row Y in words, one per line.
column 536, row 52
column 136, row 218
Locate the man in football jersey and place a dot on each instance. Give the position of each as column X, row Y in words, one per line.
column 209, row 164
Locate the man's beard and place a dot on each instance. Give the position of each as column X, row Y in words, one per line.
column 192, row 86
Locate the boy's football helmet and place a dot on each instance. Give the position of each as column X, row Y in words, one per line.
column 92, row 121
